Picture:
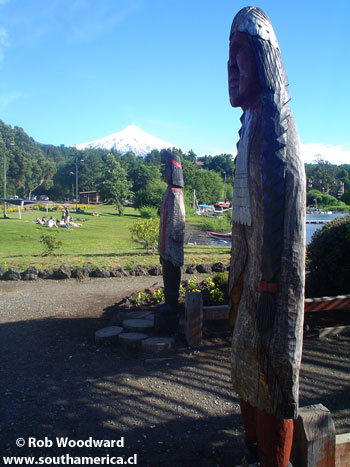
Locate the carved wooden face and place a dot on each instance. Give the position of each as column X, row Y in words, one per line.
column 243, row 81
column 167, row 173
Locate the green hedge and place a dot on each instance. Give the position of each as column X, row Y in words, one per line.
column 328, row 260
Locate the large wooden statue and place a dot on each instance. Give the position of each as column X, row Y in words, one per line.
column 171, row 242
column 268, row 240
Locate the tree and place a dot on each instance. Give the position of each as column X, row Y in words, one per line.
column 114, row 186
column 144, row 175
column 91, row 168
column 208, row 184
column 223, row 163
column 323, row 199
column 346, row 196
column 151, row 195
column 27, row 166
column 154, row 157
column 62, row 186
column 322, row 175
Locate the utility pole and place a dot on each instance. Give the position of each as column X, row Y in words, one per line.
column 5, row 181
column 76, row 180
column 11, row 144
column 224, row 173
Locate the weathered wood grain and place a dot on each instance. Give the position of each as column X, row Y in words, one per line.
column 194, row 318
column 314, row 438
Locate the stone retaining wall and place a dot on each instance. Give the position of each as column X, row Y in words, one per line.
column 67, row 272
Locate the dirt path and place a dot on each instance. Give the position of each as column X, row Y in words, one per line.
column 178, row 411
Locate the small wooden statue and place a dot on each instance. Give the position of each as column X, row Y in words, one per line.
column 171, row 242
column 267, row 271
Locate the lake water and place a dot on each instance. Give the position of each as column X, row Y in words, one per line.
column 311, row 228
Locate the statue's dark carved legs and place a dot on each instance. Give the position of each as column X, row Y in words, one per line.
column 267, row 437
column 167, row 318
column 171, row 279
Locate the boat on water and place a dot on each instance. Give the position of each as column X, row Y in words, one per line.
column 220, row 236
column 222, row 204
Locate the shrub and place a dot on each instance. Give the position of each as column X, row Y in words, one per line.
column 209, row 283
column 217, row 224
column 323, row 199
column 159, row 296
column 220, row 280
column 150, row 195
column 50, row 243
column 339, row 208
column 9, row 209
column 217, row 296
column 141, row 297
column 149, row 212
column 328, row 259
column 146, row 231
column 192, row 284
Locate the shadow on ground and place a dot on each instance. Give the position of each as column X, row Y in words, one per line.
column 178, row 411
column 57, row 382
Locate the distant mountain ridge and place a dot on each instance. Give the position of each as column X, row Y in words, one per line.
column 131, row 139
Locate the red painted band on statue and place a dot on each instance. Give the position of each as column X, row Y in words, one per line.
column 271, row 287
column 177, row 164
column 178, row 190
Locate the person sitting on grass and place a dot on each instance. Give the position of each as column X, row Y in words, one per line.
column 51, row 223
column 62, row 223
column 74, row 224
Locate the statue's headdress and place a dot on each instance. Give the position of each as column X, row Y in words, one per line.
column 174, row 169
column 254, row 22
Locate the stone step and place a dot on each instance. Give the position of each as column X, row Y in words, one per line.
column 108, row 334
column 131, row 340
column 157, row 344
column 121, row 315
column 138, row 325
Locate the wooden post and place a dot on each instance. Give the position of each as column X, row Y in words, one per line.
column 194, row 318
column 215, row 312
column 314, row 438
column 342, row 450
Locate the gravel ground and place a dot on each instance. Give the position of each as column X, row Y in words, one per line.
column 178, row 410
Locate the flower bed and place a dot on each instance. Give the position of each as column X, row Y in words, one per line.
column 213, row 289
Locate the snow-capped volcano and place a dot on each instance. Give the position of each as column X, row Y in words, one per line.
column 130, row 139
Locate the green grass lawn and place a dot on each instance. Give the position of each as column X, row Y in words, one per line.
column 102, row 241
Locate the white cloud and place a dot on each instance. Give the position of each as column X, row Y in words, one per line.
column 3, row 41
column 6, row 100
column 339, row 154
column 335, row 154
column 105, row 17
column 3, row 36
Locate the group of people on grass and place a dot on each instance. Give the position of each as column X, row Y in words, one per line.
column 65, row 221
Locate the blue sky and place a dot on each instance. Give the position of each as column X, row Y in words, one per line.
column 74, row 71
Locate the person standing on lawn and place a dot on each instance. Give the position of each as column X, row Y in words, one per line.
column 267, row 273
